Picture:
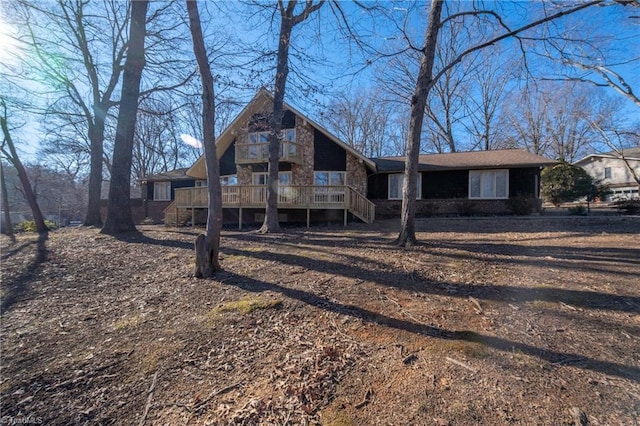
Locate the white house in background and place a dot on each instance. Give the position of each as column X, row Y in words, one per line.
column 610, row 168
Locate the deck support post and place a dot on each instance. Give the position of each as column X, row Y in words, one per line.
column 240, row 218
column 308, row 217
column 345, row 217
column 193, row 217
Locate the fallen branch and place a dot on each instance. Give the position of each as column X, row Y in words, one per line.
column 202, row 403
column 476, row 304
column 149, row 398
column 365, row 400
column 462, row 364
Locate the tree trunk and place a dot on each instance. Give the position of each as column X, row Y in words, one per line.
column 424, row 84
column 119, row 209
column 12, row 156
column 96, row 139
column 8, row 226
column 271, row 223
column 207, row 246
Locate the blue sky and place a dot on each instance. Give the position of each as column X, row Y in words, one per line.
column 338, row 66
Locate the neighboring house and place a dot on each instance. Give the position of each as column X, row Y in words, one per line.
column 158, row 191
column 478, row 182
column 611, row 169
column 324, row 179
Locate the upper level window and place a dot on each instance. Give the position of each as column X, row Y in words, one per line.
column 228, row 180
column 607, row 172
column 489, row 183
column 329, row 178
column 288, row 135
column 162, row 191
column 395, row 186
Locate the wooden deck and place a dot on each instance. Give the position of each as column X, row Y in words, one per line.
column 289, row 197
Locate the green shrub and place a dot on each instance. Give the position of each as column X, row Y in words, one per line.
column 522, row 205
column 578, row 210
column 628, row 206
column 30, row 226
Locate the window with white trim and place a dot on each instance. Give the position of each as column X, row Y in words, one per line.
column 260, row 178
column 395, row 186
column 162, row 191
column 489, row 184
column 229, row 180
column 607, row 172
column 330, row 178
column 201, row 183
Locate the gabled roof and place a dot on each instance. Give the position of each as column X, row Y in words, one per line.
column 511, row 158
column 177, row 174
column 259, row 103
column 628, row 153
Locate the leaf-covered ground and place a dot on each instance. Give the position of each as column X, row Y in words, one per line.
column 487, row 321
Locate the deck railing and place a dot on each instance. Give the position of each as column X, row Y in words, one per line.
column 289, row 196
column 259, row 152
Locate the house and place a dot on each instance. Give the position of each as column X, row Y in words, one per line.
column 323, row 179
column 158, row 191
column 616, row 170
column 478, row 182
column 320, row 177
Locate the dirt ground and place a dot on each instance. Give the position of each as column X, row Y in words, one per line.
column 532, row 321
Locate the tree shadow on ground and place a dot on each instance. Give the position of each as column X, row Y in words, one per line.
column 408, row 281
column 17, row 288
column 137, row 237
column 505, row 345
column 531, row 224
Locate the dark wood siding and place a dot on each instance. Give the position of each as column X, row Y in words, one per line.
column 228, row 161
column 378, row 187
column 187, row 183
column 449, row 184
column 523, row 182
column 174, row 184
column 288, row 120
column 260, row 122
column 327, row 155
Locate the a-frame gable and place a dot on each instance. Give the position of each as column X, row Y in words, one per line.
column 261, row 102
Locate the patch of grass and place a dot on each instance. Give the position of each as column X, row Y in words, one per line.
column 128, row 322
column 332, row 417
column 543, row 304
column 525, row 360
column 248, row 304
column 470, row 349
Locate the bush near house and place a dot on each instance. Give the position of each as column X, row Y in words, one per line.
column 628, row 206
column 565, row 182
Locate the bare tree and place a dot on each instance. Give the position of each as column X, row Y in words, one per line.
column 119, row 209
column 361, row 121
column 9, row 151
column 483, row 102
column 288, row 20
column 207, row 246
column 426, row 80
column 8, row 226
column 84, row 36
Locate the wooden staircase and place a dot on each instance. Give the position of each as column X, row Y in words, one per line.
column 171, row 215
column 360, row 206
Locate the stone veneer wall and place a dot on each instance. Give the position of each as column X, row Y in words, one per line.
column 302, row 174
column 356, row 174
